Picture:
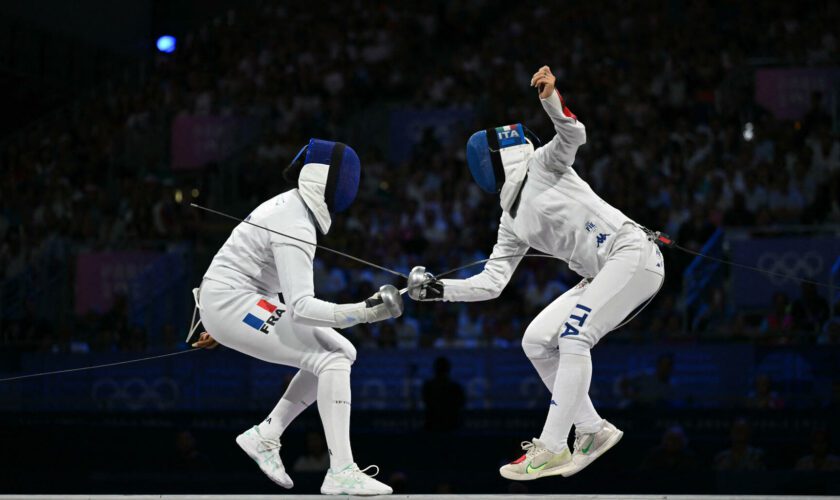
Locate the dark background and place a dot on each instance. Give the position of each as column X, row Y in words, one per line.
column 716, row 122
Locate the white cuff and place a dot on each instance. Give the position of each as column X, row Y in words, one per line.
column 347, row 315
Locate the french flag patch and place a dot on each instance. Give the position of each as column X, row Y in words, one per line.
column 264, row 315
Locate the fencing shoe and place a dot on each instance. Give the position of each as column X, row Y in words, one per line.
column 266, row 452
column 588, row 447
column 537, row 462
column 352, row 481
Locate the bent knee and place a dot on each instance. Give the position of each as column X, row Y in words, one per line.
column 346, row 350
column 334, row 342
column 574, row 345
column 333, row 361
column 351, row 353
column 538, row 343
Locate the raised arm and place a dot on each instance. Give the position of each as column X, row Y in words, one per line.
column 570, row 133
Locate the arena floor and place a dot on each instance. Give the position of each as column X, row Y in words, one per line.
column 404, row 497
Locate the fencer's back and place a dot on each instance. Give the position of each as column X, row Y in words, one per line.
column 246, row 260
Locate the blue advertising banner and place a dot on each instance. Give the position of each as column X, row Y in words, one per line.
column 624, row 376
column 801, row 257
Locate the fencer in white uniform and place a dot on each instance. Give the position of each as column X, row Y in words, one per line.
column 240, row 307
column 548, row 207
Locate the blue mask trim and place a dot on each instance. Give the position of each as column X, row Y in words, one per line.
column 479, row 162
column 343, row 179
column 483, row 157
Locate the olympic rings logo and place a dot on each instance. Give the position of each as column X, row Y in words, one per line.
column 136, row 393
column 802, row 265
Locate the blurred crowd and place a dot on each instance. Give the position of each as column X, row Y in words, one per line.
column 675, row 140
column 675, row 453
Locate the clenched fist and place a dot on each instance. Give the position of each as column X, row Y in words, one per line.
column 544, row 81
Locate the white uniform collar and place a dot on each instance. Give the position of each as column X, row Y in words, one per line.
column 515, row 163
column 312, row 184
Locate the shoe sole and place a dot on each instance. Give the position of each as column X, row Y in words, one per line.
column 355, row 493
column 240, row 440
column 518, row 476
column 607, row 446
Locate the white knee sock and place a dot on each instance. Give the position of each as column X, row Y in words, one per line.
column 334, row 407
column 299, row 395
column 546, row 369
column 586, row 419
column 571, row 386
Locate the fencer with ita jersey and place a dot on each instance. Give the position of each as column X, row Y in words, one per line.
column 548, row 207
column 239, row 306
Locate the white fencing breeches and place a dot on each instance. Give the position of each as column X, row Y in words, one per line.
column 583, row 315
column 258, row 325
column 579, row 318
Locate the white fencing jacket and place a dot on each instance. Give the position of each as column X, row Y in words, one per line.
column 557, row 213
column 257, row 260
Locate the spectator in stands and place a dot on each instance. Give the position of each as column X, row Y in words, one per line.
column 625, row 392
column 672, row 455
column 135, row 341
column 825, row 152
column 661, row 318
column 738, row 215
column 680, row 161
column 820, row 459
column 810, row 310
column 778, row 323
column 407, row 333
column 444, row 399
column 448, row 340
column 713, row 316
column 506, row 337
column 316, row 458
column 763, row 397
column 447, row 322
column 740, row 456
column 32, row 327
column 654, row 389
column 695, row 232
column 387, row 338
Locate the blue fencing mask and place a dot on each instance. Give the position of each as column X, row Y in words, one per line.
column 328, row 178
column 486, row 154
